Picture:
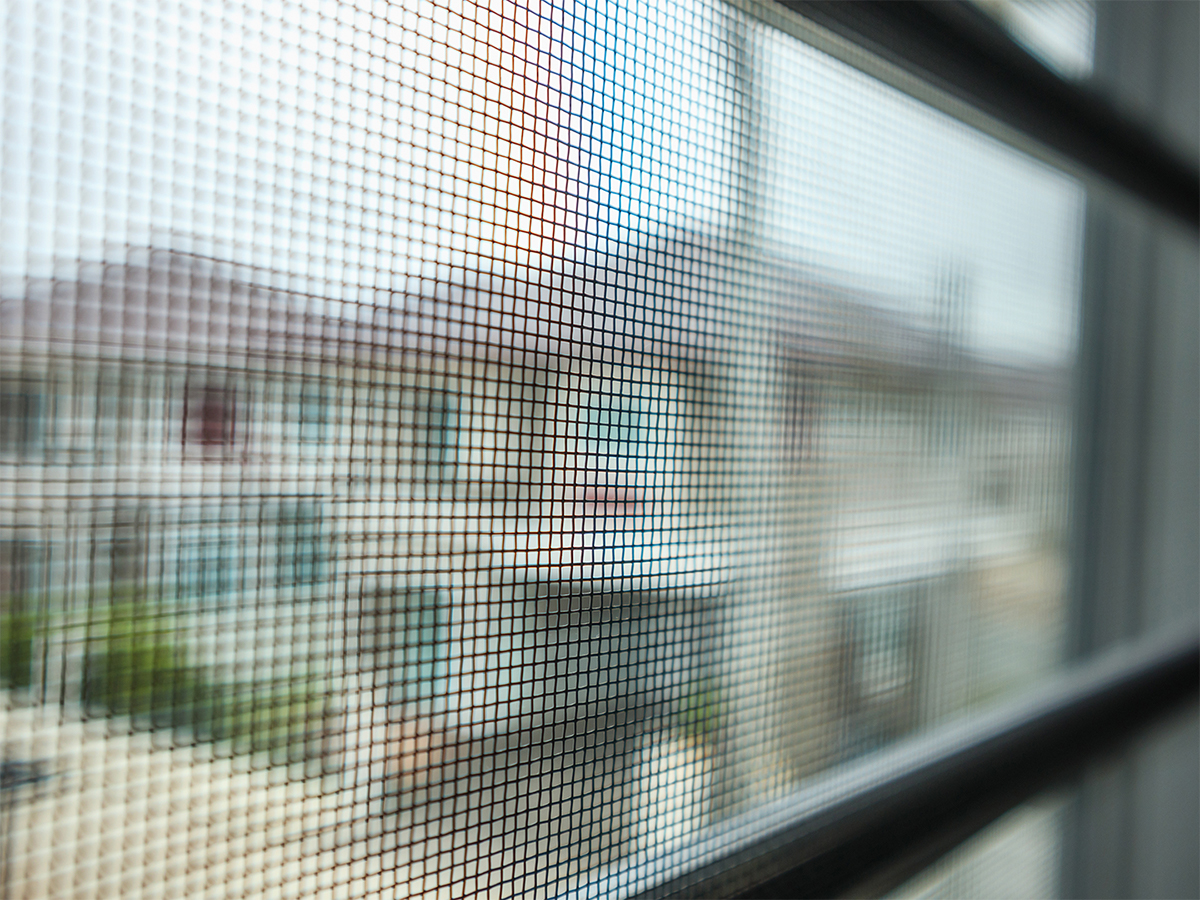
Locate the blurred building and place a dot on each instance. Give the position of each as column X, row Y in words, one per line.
column 528, row 527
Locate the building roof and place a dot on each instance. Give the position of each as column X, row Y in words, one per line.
column 681, row 301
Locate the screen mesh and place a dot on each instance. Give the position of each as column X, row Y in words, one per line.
column 466, row 449
column 1018, row 855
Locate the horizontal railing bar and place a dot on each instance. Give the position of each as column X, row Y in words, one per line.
column 958, row 50
column 883, row 817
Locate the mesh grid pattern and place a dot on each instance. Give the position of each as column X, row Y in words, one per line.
column 454, row 450
column 1015, row 856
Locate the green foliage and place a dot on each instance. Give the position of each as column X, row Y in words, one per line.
column 16, row 649
column 136, row 666
column 284, row 720
column 701, row 711
column 132, row 671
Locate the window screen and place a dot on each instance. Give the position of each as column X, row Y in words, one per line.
column 1016, row 856
column 454, row 449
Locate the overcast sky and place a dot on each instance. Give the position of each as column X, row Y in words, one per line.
column 348, row 146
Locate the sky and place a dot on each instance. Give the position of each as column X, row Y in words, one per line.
column 352, row 146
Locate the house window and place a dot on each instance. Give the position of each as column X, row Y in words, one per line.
column 616, row 428
column 128, row 550
column 881, row 653
column 22, row 410
column 798, row 414
column 626, row 429
column 435, row 437
column 210, row 417
column 403, row 635
column 211, row 562
column 22, row 564
column 300, row 555
column 312, row 412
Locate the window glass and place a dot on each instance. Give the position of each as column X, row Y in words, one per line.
column 416, row 634
column 299, row 544
column 210, row 560
column 435, row 435
column 312, row 411
column 557, row 432
column 209, row 417
column 22, row 405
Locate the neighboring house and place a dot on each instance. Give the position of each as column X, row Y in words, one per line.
column 500, row 514
column 417, row 486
